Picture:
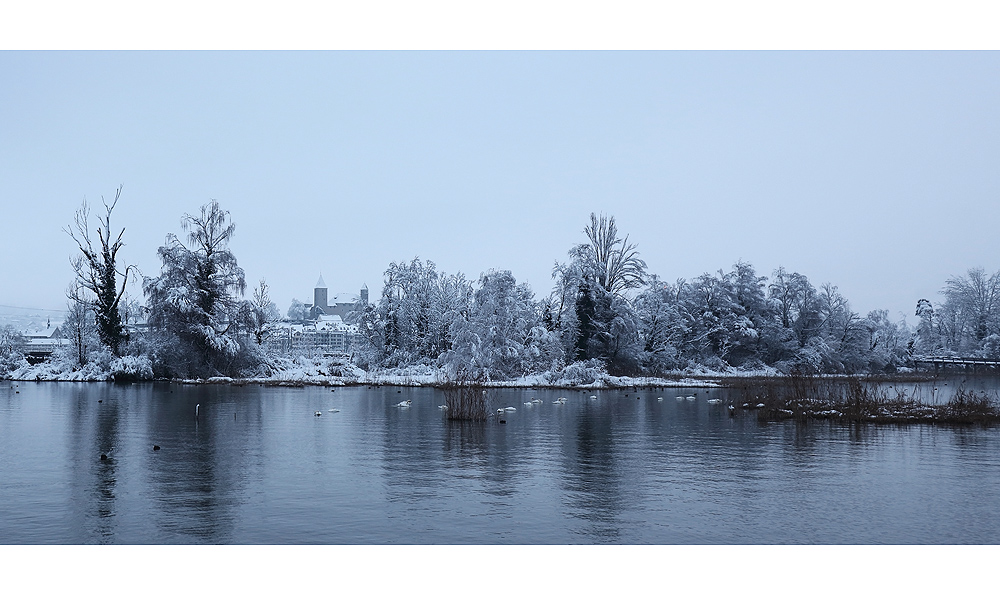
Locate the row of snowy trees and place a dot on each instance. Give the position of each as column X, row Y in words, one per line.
column 429, row 317
column 966, row 323
column 739, row 319
column 198, row 322
column 605, row 307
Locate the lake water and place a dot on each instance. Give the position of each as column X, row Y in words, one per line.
column 257, row 466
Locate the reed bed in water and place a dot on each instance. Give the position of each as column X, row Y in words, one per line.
column 858, row 400
column 466, row 397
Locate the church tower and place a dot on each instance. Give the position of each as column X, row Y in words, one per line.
column 319, row 297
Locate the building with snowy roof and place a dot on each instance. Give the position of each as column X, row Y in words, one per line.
column 328, row 334
column 39, row 345
column 348, row 306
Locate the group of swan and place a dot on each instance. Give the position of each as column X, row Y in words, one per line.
column 692, row 398
column 559, row 401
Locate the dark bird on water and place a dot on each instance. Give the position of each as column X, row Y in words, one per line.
column 104, row 457
column 155, row 447
column 100, row 400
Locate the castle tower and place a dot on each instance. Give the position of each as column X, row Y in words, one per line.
column 364, row 293
column 320, row 297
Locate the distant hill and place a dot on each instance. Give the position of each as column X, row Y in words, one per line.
column 24, row 319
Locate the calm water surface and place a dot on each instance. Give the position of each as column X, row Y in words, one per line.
column 257, row 466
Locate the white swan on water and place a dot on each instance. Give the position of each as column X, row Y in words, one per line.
column 443, row 407
column 404, row 403
column 318, row 413
column 510, row 409
column 334, row 410
column 714, row 401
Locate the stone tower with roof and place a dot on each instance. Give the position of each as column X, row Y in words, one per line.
column 320, row 297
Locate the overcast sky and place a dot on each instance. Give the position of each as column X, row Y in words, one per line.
column 876, row 172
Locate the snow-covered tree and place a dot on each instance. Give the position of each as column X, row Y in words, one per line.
column 662, row 326
column 926, row 340
column 259, row 315
column 503, row 335
column 411, row 322
column 296, row 311
column 195, row 302
column 886, row 341
column 615, row 262
column 12, row 344
column 975, row 301
column 11, row 341
column 590, row 306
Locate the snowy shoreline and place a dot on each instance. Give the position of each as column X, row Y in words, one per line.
column 609, row 382
column 305, row 377
column 324, row 371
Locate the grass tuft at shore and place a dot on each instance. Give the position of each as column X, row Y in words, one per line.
column 857, row 400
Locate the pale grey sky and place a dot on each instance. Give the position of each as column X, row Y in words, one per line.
column 876, row 172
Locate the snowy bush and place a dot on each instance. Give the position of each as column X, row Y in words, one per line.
column 64, row 366
column 131, row 367
column 340, row 366
column 585, row 372
column 10, row 362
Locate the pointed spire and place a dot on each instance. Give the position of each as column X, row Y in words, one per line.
column 320, row 283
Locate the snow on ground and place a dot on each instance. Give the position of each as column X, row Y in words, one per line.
column 319, row 371
column 101, row 368
column 340, row 372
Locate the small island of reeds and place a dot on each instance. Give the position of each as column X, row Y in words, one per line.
column 857, row 400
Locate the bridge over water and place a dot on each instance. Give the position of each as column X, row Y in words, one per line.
column 967, row 363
